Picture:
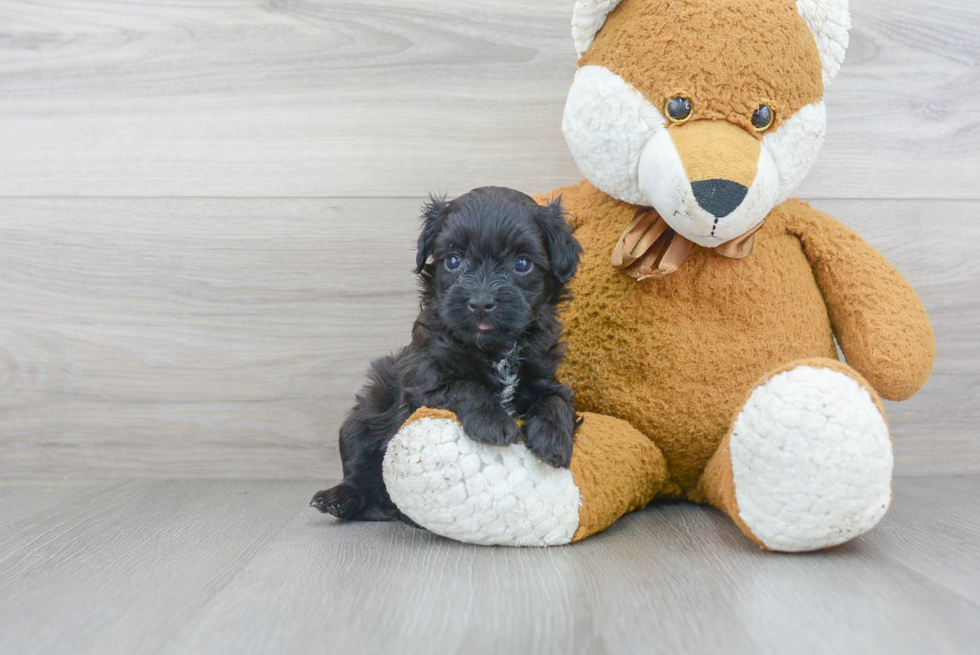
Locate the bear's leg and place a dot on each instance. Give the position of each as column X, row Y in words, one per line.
column 808, row 462
column 504, row 495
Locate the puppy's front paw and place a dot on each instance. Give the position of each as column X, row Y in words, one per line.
column 496, row 428
column 342, row 501
column 552, row 443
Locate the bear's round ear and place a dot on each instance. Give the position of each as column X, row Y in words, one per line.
column 588, row 17
column 829, row 20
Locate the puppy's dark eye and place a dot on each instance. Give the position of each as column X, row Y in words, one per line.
column 678, row 110
column 523, row 265
column 763, row 118
column 453, row 262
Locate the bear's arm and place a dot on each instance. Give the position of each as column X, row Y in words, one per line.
column 879, row 321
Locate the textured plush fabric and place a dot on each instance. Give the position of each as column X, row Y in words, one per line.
column 587, row 17
column 748, row 53
column 607, row 125
column 717, row 484
column 879, row 321
column 830, row 21
column 668, row 176
column 717, row 487
column 429, row 412
column 505, row 496
column 675, row 357
column 720, row 381
column 794, row 147
column 472, row 492
column 678, row 357
column 728, row 57
column 617, row 469
column 735, row 154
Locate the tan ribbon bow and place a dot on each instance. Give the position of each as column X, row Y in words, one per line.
column 657, row 250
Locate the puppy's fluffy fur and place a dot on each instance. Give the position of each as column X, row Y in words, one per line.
column 493, row 266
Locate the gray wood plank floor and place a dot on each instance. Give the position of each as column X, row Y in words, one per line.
column 244, row 567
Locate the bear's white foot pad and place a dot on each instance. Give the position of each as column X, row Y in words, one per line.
column 488, row 495
column 811, row 460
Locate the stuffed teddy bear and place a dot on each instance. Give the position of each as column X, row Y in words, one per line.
column 703, row 332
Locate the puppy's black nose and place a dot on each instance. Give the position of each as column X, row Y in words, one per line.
column 482, row 303
column 719, row 197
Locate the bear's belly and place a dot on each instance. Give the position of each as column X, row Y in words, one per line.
column 677, row 357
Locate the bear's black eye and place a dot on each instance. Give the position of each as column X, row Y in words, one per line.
column 678, row 110
column 453, row 262
column 523, row 265
column 762, row 118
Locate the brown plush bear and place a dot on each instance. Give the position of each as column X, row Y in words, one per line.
column 701, row 339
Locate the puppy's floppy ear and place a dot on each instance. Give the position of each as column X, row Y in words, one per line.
column 434, row 215
column 563, row 248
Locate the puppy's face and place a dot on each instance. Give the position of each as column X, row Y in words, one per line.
column 492, row 261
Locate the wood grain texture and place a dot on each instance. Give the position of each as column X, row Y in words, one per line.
column 121, row 569
column 226, row 338
column 190, row 337
column 391, row 98
column 933, row 530
column 205, row 567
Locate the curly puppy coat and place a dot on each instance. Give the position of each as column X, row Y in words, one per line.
column 493, row 266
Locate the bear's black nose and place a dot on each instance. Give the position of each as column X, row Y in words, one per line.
column 719, row 197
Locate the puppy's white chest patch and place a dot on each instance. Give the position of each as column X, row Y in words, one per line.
column 505, row 373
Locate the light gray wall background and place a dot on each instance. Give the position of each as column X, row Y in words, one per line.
column 207, row 209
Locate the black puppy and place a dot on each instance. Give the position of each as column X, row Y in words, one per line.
column 493, row 265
